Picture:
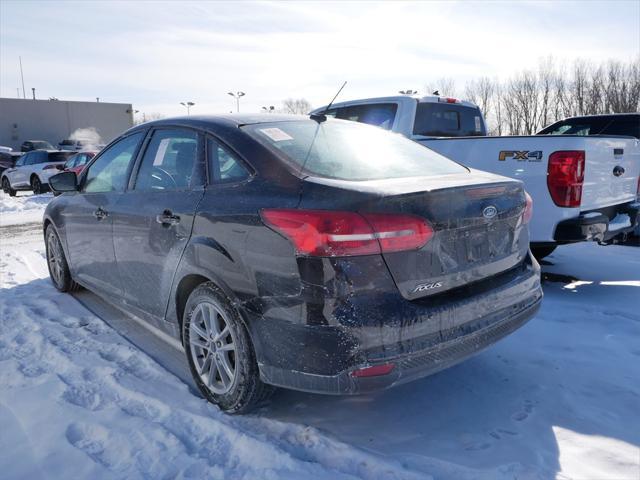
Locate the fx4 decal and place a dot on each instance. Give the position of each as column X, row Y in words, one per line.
column 521, row 155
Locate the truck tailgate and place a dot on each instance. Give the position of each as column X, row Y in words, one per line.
column 612, row 167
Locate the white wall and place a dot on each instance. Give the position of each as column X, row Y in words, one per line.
column 55, row 120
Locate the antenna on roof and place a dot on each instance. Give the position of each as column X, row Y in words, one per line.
column 436, row 93
column 321, row 117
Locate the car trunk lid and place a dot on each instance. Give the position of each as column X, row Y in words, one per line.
column 478, row 232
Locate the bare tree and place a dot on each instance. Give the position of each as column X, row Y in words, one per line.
column 445, row 86
column 299, row 106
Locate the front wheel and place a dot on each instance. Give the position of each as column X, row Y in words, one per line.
column 6, row 187
column 57, row 263
column 36, row 185
column 219, row 351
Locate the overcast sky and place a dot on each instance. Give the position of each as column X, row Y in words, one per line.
column 156, row 55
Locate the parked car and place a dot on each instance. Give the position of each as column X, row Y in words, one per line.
column 77, row 162
column 30, row 145
column 33, row 170
column 74, row 145
column 584, row 187
column 8, row 159
column 625, row 124
column 327, row 257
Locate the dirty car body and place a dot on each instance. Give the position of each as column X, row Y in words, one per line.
column 356, row 259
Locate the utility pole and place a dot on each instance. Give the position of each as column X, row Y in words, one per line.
column 33, row 91
column 24, row 95
column 237, row 96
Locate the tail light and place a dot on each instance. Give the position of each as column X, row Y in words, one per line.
column 528, row 209
column 325, row 233
column 565, row 176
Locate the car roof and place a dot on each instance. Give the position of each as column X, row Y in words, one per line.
column 225, row 120
column 603, row 115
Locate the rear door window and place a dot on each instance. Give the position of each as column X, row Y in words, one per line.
column 447, row 120
column 379, row 114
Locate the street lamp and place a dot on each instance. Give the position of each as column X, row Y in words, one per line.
column 269, row 109
column 408, row 92
column 188, row 105
column 237, row 96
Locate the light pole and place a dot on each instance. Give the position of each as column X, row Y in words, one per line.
column 269, row 109
column 237, row 96
column 188, row 105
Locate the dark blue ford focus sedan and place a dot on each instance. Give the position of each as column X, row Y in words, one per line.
column 308, row 253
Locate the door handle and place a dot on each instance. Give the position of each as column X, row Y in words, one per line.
column 168, row 218
column 100, row 213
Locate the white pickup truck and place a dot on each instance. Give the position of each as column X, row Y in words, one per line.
column 583, row 187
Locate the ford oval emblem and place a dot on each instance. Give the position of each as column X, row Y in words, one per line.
column 489, row 212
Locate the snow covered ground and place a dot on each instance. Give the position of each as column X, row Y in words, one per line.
column 560, row 398
column 23, row 208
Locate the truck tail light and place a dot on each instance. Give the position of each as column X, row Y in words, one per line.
column 528, row 209
column 326, row 233
column 565, row 176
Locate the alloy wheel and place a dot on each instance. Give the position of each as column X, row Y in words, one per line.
column 54, row 258
column 213, row 347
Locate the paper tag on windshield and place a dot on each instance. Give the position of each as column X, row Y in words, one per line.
column 478, row 124
column 276, row 134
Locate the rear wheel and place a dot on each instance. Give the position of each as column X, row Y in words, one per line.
column 219, row 351
column 57, row 263
column 541, row 252
column 6, row 187
column 36, row 185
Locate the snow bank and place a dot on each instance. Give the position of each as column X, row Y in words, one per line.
column 24, row 208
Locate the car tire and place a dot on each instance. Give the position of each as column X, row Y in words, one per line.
column 6, row 187
column 36, row 185
column 541, row 252
column 57, row 263
column 221, row 356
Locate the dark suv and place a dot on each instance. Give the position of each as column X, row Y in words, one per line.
column 320, row 255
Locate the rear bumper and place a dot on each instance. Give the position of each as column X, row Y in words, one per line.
column 418, row 338
column 597, row 225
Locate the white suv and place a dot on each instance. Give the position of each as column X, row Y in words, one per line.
column 32, row 171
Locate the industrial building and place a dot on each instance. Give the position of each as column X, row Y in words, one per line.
column 56, row 120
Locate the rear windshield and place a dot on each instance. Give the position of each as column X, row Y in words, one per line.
column 448, row 120
column 350, row 151
column 379, row 114
column 624, row 125
column 59, row 156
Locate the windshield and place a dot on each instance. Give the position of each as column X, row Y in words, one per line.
column 350, row 151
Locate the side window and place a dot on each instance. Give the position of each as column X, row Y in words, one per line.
column 22, row 160
column 171, row 162
column 71, row 162
column 109, row 172
column 628, row 127
column 223, row 165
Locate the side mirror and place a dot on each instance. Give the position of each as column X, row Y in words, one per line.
column 64, row 182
